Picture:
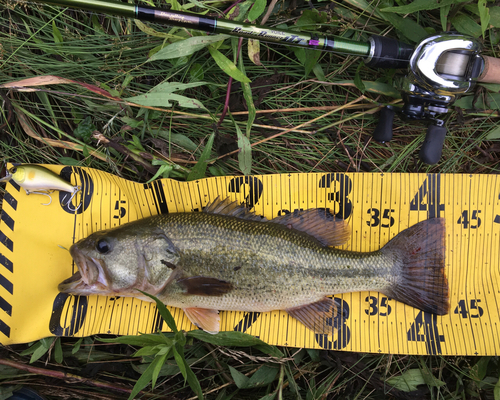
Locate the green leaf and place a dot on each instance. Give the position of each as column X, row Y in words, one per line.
column 177, row 138
column 495, row 16
column 164, row 100
column 157, row 369
column 7, row 372
column 491, row 102
column 493, row 133
column 227, row 65
column 186, row 47
column 429, row 378
column 262, row 377
column 270, row 396
column 84, row 130
column 58, row 353
column 408, row 27
column 31, row 349
column 374, row 87
column 312, row 57
column 68, row 161
column 165, row 314
column 196, row 72
column 443, row 16
column 314, row 354
column 133, row 340
column 245, row 153
column 258, row 8
column 170, row 87
column 145, row 378
column 492, row 87
column 198, row 171
column 163, row 171
column 158, row 349
column 39, row 352
column 240, row 380
column 479, row 370
column 419, row 5
column 56, row 33
column 466, row 25
column 136, row 143
column 318, row 71
column 76, row 346
column 311, row 19
column 484, row 15
column 357, row 79
column 496, row 391
column 253, row 52
column 408, row 381
column 252, row 112
column 247, row 94
column 194, row 383
column 234, row 338
column 181, row 362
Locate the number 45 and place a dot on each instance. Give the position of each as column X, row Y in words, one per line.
column 474, row 222
column 474, row 306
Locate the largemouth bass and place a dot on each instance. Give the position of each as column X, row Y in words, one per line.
column 227, row 258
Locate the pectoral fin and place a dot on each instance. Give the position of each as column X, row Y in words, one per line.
column 204, row 318
column 204, row 286
column 317, row 316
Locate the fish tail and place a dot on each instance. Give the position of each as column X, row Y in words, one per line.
column 419, row 275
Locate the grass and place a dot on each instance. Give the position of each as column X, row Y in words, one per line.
column 305, row 132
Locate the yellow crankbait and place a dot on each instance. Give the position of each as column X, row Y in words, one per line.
column 35, row 179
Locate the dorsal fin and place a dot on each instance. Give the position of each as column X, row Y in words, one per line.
column 232, row 209
column 318, row 223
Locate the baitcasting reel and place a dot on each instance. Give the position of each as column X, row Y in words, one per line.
column 442, row 67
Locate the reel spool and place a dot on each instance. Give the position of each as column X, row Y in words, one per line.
column 442, row 68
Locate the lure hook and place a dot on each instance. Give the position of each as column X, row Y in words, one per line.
column 43, row 194
column 73, row 194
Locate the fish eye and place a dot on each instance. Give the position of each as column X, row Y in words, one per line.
column 102, row 246
column 13, row 170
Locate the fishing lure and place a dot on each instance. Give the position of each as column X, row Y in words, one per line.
column 35, row 179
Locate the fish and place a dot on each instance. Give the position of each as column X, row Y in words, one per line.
column 228, row 258
column 35, row 179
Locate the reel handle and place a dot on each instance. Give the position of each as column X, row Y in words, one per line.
column 431, row 149
column 383, row 130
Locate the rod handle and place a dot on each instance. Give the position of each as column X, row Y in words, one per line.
column 431, row 149
column 491, row 70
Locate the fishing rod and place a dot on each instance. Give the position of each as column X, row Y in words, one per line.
column 440, row 68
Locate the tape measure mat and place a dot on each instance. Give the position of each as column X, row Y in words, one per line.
column 33, row 259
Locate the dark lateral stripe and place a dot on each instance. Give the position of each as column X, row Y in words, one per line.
column 10, row 200
column 6, row 241
column 6, row 263
column 4, row 328
column 8, row 220
column 6, row 284
column 15, row 185
column 5, row 306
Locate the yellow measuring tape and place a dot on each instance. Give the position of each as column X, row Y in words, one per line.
column 376, row 205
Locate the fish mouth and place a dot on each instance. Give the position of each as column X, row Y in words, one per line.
column 89, row 279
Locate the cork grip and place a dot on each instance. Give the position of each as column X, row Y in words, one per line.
column 491, row 71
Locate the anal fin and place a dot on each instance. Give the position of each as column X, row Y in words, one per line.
column 318, row 316
column 204, row 318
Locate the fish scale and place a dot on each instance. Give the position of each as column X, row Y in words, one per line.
column 277, row 269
